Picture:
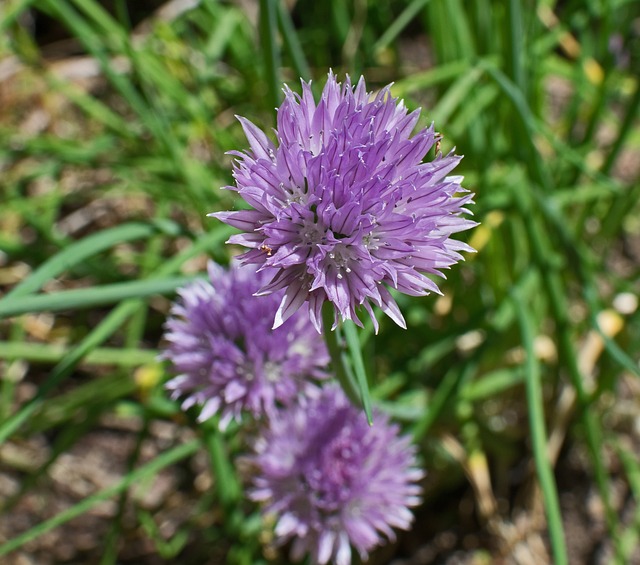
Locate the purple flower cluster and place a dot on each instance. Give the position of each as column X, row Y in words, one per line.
column 344, row 207
column 332, row 480
column 228, row 358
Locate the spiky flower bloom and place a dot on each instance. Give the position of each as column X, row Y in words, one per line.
column 333, row 481
column 228, row 358
column 344, row 204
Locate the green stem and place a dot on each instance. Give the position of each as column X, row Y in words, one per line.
column 627, row 124
column 227, row 485
column 292, row 43
column 541, row 251
column 357, row 363
column 539, row 436
column 270, row 51
column 346, row 357
column 338, row 360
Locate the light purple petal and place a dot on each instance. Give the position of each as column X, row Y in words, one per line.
column 293, row 298
column 261, row 146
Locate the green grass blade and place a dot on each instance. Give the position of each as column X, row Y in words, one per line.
column 270, row 51
column 628, row 122
column 437, row 403
column 90, row 297
column 105, row 329
column 456, row 95
column 106, row 25
column 582, row 259
column 49, row 353
column 432, row 77
column 90, row 396
column 223, row 34
column 153, row 118
column 12, row 11
column 534, row 161
column 542, row 251
column 340, row 19
column 399, row 24
column 90, row 105
column 76, row 253
column 516, row 45
column 630, row 537
column 492, row 384
column 539, row 435
column 465, row 116
column 292, row 43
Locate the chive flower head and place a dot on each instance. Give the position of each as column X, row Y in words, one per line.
column 343, row 205
column 331, row 480
column 228, row 359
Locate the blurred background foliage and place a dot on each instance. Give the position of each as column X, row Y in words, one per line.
column 520, row 384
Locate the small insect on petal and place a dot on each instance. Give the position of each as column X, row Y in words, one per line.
column 266, row 249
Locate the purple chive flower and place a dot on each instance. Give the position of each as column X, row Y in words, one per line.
column 343, row 206
column 333, row 481
column 228, row 358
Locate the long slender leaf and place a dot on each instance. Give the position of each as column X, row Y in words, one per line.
column 292, row 43
column 539, row 435
column 11, row 12
column 48, row 353
column 399, row 24
column 270, row 51
column 90, row 297
column 76, row 253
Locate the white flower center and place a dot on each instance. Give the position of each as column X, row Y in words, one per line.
column 341, row 257
column 271, row 371
column 312, row 233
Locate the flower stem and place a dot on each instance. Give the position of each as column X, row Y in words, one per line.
column 346, row 358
